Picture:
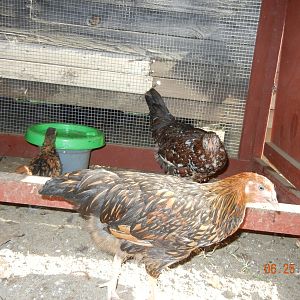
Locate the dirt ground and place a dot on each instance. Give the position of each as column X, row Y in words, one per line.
column 48, row 254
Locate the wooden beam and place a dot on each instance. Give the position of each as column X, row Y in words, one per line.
column 75, row 57
column 20, row 189
column 264, row 66
column 206, row 110
column 113, row 155
column 75, row 76
column 103, row 70
column 286, row 164
column 188, row 20
column 208, row 92
column 143, row 159
column 283, row 219
column 121, row 156
column 286, row 192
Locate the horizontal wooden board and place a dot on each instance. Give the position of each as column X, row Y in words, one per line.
column 192, row 59
column 21, row 189
column 201, row 91
column 74, row 76
column 216, row 18
column 168, row 5
column 126, row 65
column 286, row 191
column 112, row 155
column 177, row 6
column 204, row 72
column 72, row 57
column 76, row 67
column 102, row 14
column 126, row 42
column 60, row 94
column 204, row 22
column 286, row 164
column 283, row 219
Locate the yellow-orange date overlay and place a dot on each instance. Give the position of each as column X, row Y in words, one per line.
column 286, row 269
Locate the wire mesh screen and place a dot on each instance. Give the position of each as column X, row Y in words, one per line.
column 90, row 62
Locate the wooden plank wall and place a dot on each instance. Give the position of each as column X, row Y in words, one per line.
column 190, row 44
column 200, row 53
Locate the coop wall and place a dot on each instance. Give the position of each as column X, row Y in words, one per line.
column 90, row 62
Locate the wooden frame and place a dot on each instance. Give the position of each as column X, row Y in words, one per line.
column 262, row 86
column 262, row 79
column 283, row 150
column 15, row 188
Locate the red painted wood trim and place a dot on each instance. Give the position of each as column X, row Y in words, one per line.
column 119, row 156
column 286, row 192
column 15, row 145
column 13, row 190
column 264, row 65
column 142, row 159
column 271, row 221
column 288, row 166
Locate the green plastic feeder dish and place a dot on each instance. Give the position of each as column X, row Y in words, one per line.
column 73, row 142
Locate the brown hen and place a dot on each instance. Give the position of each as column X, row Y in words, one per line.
column 47, row 163
column 158, row 219
column 184, row 150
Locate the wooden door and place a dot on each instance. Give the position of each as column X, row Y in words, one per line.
column 283, row 150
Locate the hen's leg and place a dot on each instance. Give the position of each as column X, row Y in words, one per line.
column 113, row 282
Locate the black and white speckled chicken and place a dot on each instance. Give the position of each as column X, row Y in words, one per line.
column 47, row 163
column 158, row 219
column 184, row 150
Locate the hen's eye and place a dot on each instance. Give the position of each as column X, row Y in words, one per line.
column 261, row 187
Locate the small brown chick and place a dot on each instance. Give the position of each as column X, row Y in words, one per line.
column 47, row 163
column 158, row 219
column 184, row 150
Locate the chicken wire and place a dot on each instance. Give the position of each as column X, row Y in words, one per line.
column 200, row 51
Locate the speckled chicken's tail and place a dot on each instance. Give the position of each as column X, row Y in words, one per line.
column 49, row 141
column 159, row 113
column 50, row 136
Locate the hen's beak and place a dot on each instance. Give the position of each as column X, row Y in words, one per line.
column 274, row 200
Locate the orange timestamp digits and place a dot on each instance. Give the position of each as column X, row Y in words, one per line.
column 274, row 269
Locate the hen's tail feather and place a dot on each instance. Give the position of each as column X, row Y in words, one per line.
column 158, row 109
column 80, row 188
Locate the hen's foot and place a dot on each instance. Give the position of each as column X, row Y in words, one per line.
column 111, row 290
column 111, row 284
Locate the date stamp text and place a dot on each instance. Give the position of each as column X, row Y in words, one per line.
column 286, row 269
